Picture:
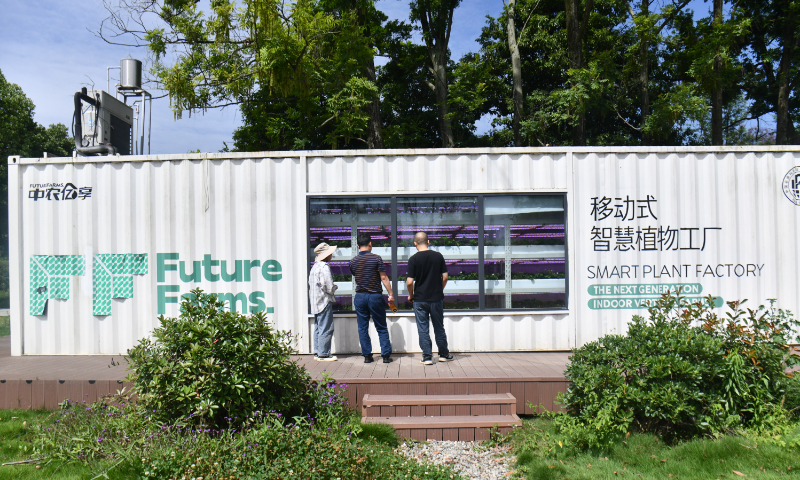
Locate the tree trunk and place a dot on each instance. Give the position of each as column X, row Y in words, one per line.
column 437, row 23
column 716, row 94
column 644, row 75
column 375, row 137
column 785, row 133
column 375, row 123
column 575, row 33
column 439, row 61
column 516, row 72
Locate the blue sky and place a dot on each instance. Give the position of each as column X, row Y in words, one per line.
column 49, row 50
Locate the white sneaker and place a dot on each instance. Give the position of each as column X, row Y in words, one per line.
column 329, row 358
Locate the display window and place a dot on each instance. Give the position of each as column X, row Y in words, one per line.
column 503, row 252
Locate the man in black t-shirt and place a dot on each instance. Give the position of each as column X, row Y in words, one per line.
column 427, row 276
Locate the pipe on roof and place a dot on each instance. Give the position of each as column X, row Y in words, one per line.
column 78, row 133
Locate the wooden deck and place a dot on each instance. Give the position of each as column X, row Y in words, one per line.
column 472, row 365
column 534, row 378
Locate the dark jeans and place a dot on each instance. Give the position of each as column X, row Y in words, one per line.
column 434, row 310
column 372, row 304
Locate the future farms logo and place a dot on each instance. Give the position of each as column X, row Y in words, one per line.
column 212, row 270
column 112, row 277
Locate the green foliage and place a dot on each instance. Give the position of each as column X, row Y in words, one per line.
column 792, row 396
column 682, row 372
column 273, row 448
column 329, row 442
column 299, row 69
column 19, row 431
column 381, row 433
column 304, row 75
column 211, row 366
column 646, row 456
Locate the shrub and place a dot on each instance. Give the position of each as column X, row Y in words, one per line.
column 215, row 367
column 274, row 448
column 117, row 435
column 682, row 372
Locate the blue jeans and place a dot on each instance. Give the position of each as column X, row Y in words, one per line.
column 323, row 331
column 434, row 310
column 367, row 304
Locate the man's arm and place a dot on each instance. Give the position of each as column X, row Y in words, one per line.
column 388, row 285
column 444, row 271
column 410, row 287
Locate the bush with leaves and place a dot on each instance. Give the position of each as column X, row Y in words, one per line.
column 682, row 372
column 215, row 367
column 120, row 437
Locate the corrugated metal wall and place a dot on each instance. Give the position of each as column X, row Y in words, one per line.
column 734, row 197
column 240, row 209
column 253, row 207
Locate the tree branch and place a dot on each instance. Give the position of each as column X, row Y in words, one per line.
column 626, row 122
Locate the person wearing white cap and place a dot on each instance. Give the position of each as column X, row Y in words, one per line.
column 321, row 289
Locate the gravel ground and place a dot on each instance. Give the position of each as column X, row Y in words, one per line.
column 470, row 459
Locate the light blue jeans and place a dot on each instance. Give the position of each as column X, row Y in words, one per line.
column 323, row 331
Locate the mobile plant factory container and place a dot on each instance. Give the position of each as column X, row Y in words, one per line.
column 547, row 248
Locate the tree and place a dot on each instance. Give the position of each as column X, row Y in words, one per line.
column 716, row 95
column 576, row 31
column 648, row 26
column 436, row 20
column 21, row 135
column 293, row 62
column 771, row 64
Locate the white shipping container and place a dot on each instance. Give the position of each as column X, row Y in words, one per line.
column 101, row 246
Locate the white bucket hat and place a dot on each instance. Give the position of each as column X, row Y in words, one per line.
column 323, row 250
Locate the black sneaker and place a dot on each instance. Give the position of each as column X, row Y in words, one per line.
column 446, row 358
column 427, row 361
column 368, row 359
column 387, row 359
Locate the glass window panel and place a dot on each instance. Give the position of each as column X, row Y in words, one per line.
column 338, row 221
column 452, row 227
column 524, row 252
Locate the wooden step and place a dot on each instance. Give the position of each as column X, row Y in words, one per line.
column 458, row 421
column 438, row 405
column 464, row 428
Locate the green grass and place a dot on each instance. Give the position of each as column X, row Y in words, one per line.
column 5, row 326
column 381, row 433
column 18, row 428
column 644, row 456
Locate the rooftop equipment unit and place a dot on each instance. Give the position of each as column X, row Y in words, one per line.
column 105, row 124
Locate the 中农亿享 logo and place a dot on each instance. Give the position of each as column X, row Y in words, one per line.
column 791, row 185
column 58, row 192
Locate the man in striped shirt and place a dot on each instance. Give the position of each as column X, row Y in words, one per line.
column 369, row 273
